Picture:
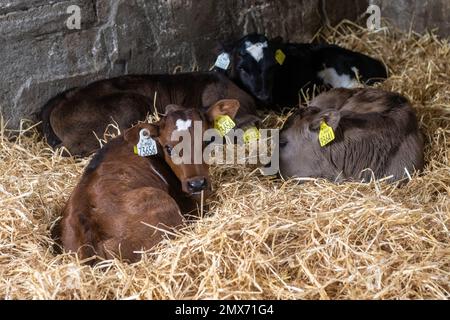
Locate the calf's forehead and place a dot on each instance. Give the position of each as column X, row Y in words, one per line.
column 181, row 118
column 256, row 49
column 180, row 121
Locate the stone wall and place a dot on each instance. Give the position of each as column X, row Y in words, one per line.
column 40, row 56
column 417, row 15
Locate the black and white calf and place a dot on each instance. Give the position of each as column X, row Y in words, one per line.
column 250, row 63
column 307, row 65
column 275, row 72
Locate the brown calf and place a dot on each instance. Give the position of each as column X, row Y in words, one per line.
column 74, row 118
column 124, row 201
column 373, row 129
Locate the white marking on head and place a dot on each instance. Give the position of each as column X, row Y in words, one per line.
column 256, row 49
column 183, row 125
column 331, row 77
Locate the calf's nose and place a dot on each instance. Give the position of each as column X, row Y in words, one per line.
column 197, row 185
column 264, row 97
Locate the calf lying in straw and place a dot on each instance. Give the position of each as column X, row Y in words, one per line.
column 345, row 132
column 133, row 192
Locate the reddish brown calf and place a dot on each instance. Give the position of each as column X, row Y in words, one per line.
column 124, row 202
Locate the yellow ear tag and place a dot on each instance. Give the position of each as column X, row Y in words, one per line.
column 251, row 134
column 326, row 134
column 280, row 56
column 223, row 124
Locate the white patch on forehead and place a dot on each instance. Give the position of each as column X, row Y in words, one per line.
column 331, row 77
column 183, row 125
column 256, row 49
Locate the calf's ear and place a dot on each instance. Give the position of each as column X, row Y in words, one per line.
column 132, row 134
column 223, row 107
column 222, row 47
column 331, row 117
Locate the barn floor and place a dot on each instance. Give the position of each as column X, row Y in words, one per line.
column 266, row 238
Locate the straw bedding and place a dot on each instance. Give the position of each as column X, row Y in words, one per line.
column 264, row 237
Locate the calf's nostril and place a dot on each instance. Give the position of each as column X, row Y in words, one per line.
column 197, row 184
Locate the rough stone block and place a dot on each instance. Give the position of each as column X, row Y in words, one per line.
column 44, row 19
column 417, row 15
column 44, row 60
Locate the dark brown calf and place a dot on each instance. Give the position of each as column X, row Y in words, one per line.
column 373, row 129
column 76, row 117
column 124, row 201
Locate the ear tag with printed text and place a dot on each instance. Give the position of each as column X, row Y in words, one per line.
column 251, row 134
column 223, row 61
column 146, row 145
column 326, row 134
column 223, row 124
column 280, row 57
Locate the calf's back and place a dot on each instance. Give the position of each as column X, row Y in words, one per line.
column 373, row 129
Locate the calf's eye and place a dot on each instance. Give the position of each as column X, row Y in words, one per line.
column 283, row 143
column 169, row 150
